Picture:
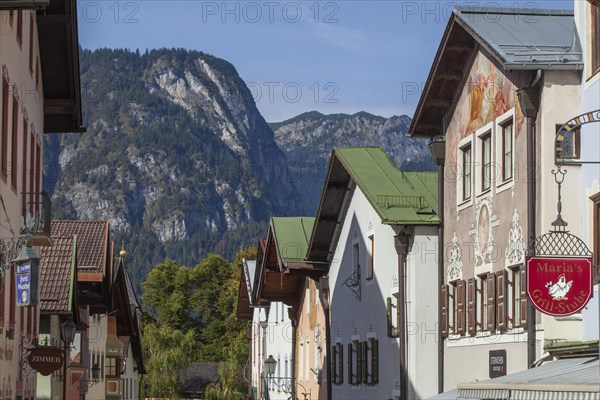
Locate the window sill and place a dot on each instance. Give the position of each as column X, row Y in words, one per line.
column 484, row 193
column 464, row 204
column 505, row 185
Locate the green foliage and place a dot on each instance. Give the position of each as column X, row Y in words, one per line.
column 167, row 352
column 200, row 304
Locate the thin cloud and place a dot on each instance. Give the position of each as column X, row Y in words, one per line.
column 343, row 38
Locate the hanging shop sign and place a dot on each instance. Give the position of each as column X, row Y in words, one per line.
column 559, row 286
column 46, row 360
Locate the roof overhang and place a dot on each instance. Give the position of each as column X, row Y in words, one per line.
column 244, row 310
column 460, row 43
column 332, row 207
column 59, row 54
column 23, row 4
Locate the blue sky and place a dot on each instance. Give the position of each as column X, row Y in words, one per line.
column 296, row 56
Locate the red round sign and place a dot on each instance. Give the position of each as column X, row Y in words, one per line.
column 559, row 286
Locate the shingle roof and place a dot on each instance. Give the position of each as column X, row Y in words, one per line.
column 57, row 272
column 397, row 197
column 91, row 242
column 523, row 38
column 197, row 376
column 292, row 235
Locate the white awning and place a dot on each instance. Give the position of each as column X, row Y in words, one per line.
column 564, row 379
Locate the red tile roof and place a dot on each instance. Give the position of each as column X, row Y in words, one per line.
column 56, row 277
column 92, row 242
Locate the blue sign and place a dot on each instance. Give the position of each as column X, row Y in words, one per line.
column 23, row 283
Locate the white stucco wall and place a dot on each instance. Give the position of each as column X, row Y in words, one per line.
column 361, row 319
column 14, row 65
column 590, row 150
column 278, row 342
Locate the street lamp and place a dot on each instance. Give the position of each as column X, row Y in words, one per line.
column 270, row 364
column 284, row 383
column 67, row 330
column 83, row 383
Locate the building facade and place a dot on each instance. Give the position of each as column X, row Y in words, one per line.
column 382, row 255
column 37, row 79
column 488, row 91
column 587, row 19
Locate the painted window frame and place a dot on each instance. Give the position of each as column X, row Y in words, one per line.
column 5, row 115
column 462, row 177
column 502, row 183
column 577, row 142
column 14, row 144
column 483, row 133
column 371, row 255
column 594, row 36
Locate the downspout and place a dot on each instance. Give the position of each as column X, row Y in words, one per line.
column 292, row 317
column 440, row 274
column 324, row 293
column 529, row 100
column 437, row 147
column 401, row 244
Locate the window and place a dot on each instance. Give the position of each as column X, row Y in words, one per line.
column 466, row 172
column 112, row 369
column 20, row 27
column 2, row 301
column 392, row 317
column 571, row 144
column 371, row 257
column 486, row 161
column 4, row 150
column 507, row 151
column 517, row 315
column 14, row 143
column 595, row 35
column 486, row 318
column 356, row 259
column 337, row 363
column 32, row 148
column 13, row 297
column 24, row 170
column 355, row 362
column 371, row 361
column 31, row 31
column 37, row 73
column 460, row 307
column 38, row 175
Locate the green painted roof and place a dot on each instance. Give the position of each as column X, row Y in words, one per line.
column 292, row 235
column 397, row 197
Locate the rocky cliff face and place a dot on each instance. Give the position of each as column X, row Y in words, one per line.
column 176, row 155
column 179, row 160
column 308, row 139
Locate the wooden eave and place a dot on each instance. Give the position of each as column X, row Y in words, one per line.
column 272, row 284
column 244, row 311
column 120, row 303
column 337, row 183
column 446, row 77
column 59, row 58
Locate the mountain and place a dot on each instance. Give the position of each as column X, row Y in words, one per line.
column 307, row 140
column 176, row 157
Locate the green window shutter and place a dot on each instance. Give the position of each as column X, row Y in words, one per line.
column 374, row 361
column 389, row 317
column 365, row 362
column 334, row 378
column 340, row 353
column 350, row 377
column 359, row 362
